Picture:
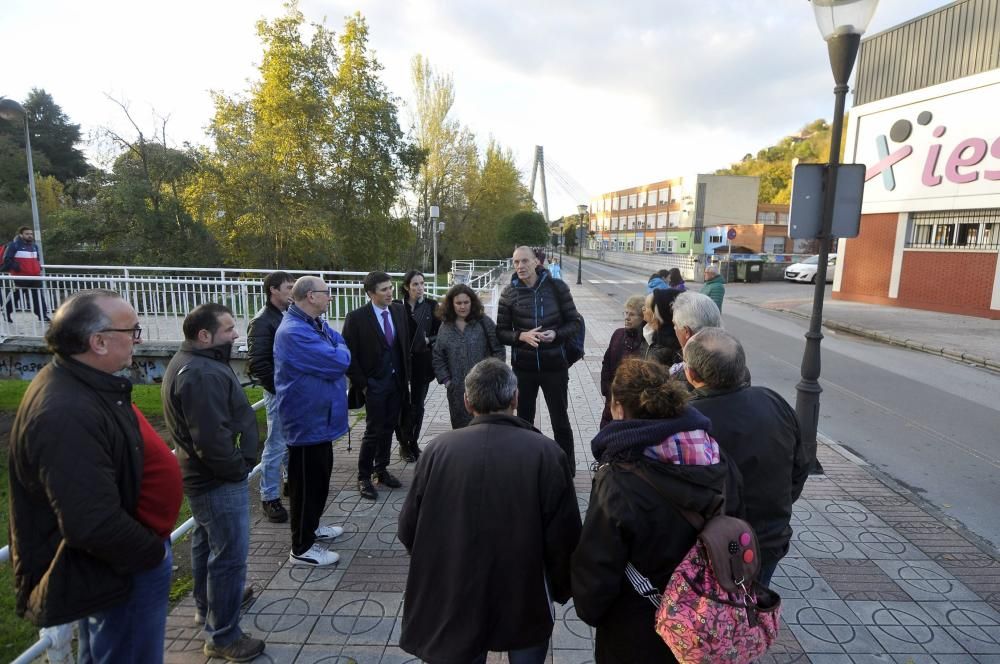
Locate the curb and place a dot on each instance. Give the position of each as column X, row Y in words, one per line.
column 875, row 335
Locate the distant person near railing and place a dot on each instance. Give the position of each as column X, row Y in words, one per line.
column 94, row 491
column 20, row 259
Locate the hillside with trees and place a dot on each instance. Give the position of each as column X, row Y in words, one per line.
column 773, row 165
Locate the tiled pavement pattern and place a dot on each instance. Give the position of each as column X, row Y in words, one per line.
column 872, row 576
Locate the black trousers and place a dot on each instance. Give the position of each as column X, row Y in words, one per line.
column 32, row 294
column 309, row 468
column 555, row 388
column 408, row 429
column 383, row 399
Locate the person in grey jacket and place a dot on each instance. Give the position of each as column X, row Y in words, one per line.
column 466, row 336
column 214, row 431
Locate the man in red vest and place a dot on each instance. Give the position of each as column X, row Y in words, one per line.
column 20, row 258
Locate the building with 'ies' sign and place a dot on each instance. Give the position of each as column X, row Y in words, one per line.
column 926, row 122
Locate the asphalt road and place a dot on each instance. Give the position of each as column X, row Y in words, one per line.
column 930, row 423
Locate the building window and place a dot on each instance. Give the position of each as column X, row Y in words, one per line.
column 660, row 245
column 684, row 244
column 633, row 200
column 674, row 219
column 664, row 196
column 715, row 239
column 956, row 229
column 783, row 218
column 661, row 220
column 651, row 198
column 767, row 217
column 648, row 245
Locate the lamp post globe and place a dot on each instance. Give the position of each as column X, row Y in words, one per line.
column 11, row 111
column 841, row 24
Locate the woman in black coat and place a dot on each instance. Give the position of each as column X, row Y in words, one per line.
column 625, row 342
column 655, row 458
column 424, row 324
column 661, row 339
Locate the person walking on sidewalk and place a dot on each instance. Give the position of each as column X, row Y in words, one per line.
column 20, row 258
column 478, row 580
column 424, row 324
column 260, row 365
column 536, row 317
column 214, row 431
column 93, row 493
column 310, row 362
column 715, row 285
column 466, row 337
column 378, row 335
column 759, row 432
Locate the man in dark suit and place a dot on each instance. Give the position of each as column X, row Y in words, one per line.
column 378, row 336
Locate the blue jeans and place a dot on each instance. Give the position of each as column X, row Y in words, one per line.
column 532, row 655
column 275, row 457
column 220, row 543
column 132, row 631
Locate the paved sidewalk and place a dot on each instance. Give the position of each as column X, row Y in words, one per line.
column 872, row 576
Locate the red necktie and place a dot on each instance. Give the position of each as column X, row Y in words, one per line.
column 387, row 328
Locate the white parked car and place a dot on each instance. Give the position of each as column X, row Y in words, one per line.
column 806, row 270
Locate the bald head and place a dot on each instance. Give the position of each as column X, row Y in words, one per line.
column 715, row 359
column 525, row 263
column 311, row 295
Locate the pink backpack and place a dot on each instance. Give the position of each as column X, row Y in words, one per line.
column 713, row 610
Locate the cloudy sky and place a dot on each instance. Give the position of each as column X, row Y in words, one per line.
column 619, row 93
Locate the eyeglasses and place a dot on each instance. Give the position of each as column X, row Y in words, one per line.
column 136, row 331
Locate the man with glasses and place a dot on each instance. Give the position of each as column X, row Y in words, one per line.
column 94, row 491
column 260, row 365
column 310, row 361
column 214, row 431
column 378, row 335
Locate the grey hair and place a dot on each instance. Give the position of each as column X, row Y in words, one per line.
column 490, row 386
column 696, row 311
column 716, row 357
column 303, row 285
column 635, row 303
column 78, row 318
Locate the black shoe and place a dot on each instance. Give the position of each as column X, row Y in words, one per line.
column 242, row 649
column 385, row 478
column 406, row 453
column 367, row 489
column 415, row 450
column 274, row 511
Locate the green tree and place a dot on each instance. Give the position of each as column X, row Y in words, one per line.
column 372, row 159
column 524, row 228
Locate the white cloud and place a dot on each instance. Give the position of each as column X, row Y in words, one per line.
column 618, row 93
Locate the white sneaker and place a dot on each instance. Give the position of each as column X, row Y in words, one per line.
column 316, row 556
column 328, row 532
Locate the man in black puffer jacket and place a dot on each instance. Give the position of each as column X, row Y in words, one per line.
column 260, row 365
column 536, row 317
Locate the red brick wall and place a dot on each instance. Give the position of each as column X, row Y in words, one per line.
column 867, row 263
column 953, row 281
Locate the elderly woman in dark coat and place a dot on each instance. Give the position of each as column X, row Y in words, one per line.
column 655, row 458
column 625, row 342
column 466, row 336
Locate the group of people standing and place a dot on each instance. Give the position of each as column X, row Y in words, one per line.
column 491, row 519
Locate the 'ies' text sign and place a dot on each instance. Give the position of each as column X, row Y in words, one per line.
column 933, row 149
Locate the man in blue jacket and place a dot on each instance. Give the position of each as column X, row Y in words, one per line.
column 310, row 360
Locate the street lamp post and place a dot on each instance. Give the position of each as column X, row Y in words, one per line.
column 580, row 234
column 11, row 110
column 841, row 22
column 435, row 214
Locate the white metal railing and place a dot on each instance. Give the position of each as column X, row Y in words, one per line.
column 162, row 300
